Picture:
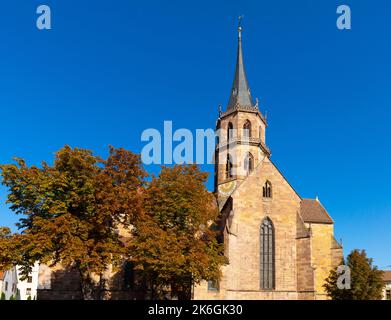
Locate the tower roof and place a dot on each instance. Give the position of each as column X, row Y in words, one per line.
column 240, row 93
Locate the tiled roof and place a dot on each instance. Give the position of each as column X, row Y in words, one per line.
column 2, row 275
column 312, row 211
column 387, row 275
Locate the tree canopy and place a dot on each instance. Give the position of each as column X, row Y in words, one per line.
column 71, row 210
column 366, row 281
column 175, row 242
column 72, row 213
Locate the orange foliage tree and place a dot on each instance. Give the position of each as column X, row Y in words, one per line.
column 175, row 240
column 71, row 211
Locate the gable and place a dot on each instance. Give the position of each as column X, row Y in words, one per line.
column 266, row 170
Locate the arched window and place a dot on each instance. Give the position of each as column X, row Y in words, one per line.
column 248, row 163
column 267, row 255
column 228, row 167
column 267, row 190
column 230, row 131
column 247, row 130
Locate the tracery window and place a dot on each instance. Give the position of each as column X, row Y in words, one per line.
column 267, row 255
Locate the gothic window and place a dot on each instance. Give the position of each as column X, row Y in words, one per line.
column 267, row 190
column 247, row 130
column 230, row 131
column 228, row 167
column 267, row 255
column 248, row 163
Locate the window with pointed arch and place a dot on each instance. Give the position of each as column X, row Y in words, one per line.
column 267, row 190
column 267, row 265
column 228, row 167
column 247, row 130
column 248, row 163
column 230, row 131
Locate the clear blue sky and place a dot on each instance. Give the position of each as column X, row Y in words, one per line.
column 110, row 69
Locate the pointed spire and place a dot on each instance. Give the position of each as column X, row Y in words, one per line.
column 240, row 93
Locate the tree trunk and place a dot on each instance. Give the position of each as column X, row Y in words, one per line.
column 87, row 286
column 104, row 288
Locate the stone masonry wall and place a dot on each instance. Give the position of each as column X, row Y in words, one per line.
column 241, row 278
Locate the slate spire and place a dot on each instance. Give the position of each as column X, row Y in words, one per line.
column 240, row 93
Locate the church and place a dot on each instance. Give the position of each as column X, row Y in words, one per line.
column 278, row 245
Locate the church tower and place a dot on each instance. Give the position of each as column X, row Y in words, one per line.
column 242, row 133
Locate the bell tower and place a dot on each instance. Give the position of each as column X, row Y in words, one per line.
column 241, row 131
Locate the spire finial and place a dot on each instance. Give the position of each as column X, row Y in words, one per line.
column 240, row 26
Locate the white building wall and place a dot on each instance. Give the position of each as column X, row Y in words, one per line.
column 9, row 284
column 387, row 287
column 28, row 287
column 13, row 285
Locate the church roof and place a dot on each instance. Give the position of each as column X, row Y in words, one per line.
column 387, row 275
column 312, row 211
column 240, row 93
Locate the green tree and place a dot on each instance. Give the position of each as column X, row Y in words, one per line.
column 2, row 297
column 71, row 212
column 12, row 297
column 29, row 298
column 366, row 280
column 175, row 242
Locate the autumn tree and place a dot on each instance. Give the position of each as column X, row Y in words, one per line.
column 175, row 242
column 8, row 250
column 71, row 212
column 366, row 281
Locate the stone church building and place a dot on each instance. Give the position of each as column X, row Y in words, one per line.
column 279, row 246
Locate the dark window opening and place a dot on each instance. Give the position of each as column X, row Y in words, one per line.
column 228, row 167
column 129, row 275
column 230, row 131
column 247, row 130
column 248, row 163
column 267, row 190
